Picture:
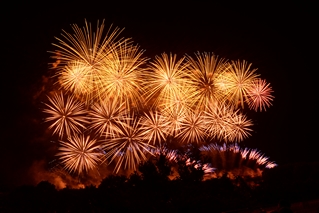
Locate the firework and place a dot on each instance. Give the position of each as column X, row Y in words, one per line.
column 121, row 75
column 259, row 95
column 79, row 154
column 154, row 127
column 82, row 57
column 136, row 107
column 226, row 124
column 270, row 165
column 68, row 116
column 237, row 81
column 166, row 78
column 128, row 146
column 217, row 117
column 204, row 74
column 105, row 116
column 76, row 78
column 181, row 101
column 192, row 128
column 240, row 127
column 245, row 153
column 171, row 155
column 174, row 117
column 86, row 46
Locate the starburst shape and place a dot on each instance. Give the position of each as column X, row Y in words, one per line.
column 79, row 154
column 68, row 115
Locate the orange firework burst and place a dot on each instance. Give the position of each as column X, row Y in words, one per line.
column 121, row 75
column 204, row 74
column 127, row 146
column 175, row 117
column 77, row 78
column 240, row 127
column 68, row 116
column 82, row 59
column 192, row 128
column 86, row 46
column 105, row 116
column 80, row 154
column 259, row 95
column 137, row 106
column 217, row 117
column 166, row 78
column 237, row 81
column 226, row 124
column 154, row 127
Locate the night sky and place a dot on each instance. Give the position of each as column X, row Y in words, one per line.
column 279, row 40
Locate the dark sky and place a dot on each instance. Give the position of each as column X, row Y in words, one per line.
column 279, row 40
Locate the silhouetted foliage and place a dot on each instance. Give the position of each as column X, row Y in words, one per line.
column 149, row 190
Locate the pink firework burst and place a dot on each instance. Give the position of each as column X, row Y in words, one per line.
column 259, row 95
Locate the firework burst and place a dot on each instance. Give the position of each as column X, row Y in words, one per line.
column 76, row 78
column 237, row 81
column 204, row 74
column 82, row 57
column 68, row 115
column 86, row 46
column 217, row 118
column 105, row 116
column 79, row 154
column 174, row 117
column 192, row 128
column 128, row 146
column 122, row 75
column 154, row 127
column 138, row 106
column 259, row 95
column 166, row 79
column 235, row 150
column 240, row 127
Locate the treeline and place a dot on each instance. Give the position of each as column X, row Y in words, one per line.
column 150, row 190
